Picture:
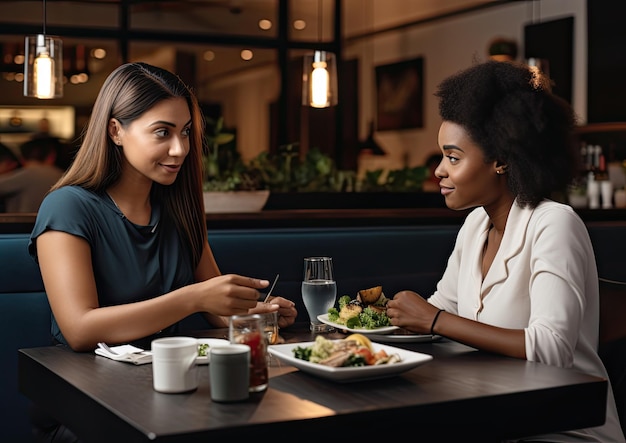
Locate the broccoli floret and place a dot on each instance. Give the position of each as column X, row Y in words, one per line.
column 354, row 322
column 333, row 314
column 343, row 300
column 302, row 353
column 355, row 360
column 371, row 319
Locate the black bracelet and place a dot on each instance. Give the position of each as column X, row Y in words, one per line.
column 432, row 326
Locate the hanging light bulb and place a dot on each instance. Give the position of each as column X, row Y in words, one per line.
column 320, row 82
column 43, row 65
column 43, row 71
column 319, row 78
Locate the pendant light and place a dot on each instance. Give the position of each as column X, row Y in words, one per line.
column 319, row 75
column 43, row 66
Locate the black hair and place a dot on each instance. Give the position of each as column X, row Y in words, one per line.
column 509, row 111
column 39, row 148
column 7, row 153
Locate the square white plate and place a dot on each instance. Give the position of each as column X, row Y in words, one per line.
column 384, row 330
column 408, row 360
column 212, row 342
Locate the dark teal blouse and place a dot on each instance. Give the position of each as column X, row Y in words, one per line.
column 130, row 262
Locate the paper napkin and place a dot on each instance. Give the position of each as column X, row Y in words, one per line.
column 127, row 353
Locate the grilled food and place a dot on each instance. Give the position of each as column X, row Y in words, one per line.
column 370, row 296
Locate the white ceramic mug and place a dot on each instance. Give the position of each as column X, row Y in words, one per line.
column 229, row 372
column 174, row 364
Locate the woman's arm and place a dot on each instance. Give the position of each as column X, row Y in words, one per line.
column 207, row 269
column 409, row 310
column 65, row 262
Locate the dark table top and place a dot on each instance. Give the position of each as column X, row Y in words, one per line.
column 460, row 394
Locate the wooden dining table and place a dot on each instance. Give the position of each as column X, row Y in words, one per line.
column 461, row 395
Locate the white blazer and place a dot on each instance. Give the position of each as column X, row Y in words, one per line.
column 544, row 280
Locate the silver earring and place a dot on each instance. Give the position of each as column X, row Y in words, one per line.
column 499, row 171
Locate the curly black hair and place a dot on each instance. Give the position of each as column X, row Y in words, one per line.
column 508, row 109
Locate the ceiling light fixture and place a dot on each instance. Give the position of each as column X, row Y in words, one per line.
column 43, row 67
column 319, row 77
column 265, row 24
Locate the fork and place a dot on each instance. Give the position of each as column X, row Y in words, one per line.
column 267, row 297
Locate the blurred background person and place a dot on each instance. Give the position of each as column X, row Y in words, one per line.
column 8, row 162
column 64, row 151
column 8, row 159
column 23, row 189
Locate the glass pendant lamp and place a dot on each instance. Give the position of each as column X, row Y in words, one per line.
column 319, row 75
column 43, row 64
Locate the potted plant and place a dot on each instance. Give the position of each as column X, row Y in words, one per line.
column 229, row 185
column 287, row 179
column 288, row 171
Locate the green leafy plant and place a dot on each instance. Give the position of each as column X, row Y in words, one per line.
column 398, row 180
column 285, row 171
column 288, row 171
column 224, row 170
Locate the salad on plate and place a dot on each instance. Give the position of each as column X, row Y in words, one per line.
column 354, row 350
column 367, row 311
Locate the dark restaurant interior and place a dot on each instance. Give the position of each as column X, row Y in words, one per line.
column 244, row 61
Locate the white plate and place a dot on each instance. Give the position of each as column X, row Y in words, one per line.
column 404, row 338
column 204, row 360
column 409, row 360
column 384, row 330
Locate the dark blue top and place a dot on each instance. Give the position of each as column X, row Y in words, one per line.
column 130, row 262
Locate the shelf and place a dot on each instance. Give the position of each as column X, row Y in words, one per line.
column 593, row 128
column 308, row 218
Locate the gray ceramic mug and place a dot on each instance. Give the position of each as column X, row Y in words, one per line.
column 229, row 372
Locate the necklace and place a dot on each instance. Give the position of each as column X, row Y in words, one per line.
column 114, row 202
column 153, row 230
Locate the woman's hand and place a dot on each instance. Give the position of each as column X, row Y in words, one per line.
column 230, row 294
column 409, row 310
column 287, row 311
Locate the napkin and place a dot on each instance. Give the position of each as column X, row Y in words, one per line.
column 127, row 353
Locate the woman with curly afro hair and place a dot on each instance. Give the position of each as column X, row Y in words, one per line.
column 522, row 279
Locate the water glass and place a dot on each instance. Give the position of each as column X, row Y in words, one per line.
column 249, row 330
column 319, row 289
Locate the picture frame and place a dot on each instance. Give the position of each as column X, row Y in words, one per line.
column 399, row 95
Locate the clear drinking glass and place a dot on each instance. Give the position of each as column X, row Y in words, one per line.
column 248, row 330
column 270, row 326
column 319, row 289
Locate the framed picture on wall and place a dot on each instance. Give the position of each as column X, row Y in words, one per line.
column 399, row 95
column 553, row 41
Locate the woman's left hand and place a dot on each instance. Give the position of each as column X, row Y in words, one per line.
column 287, row 311
column 409, row 310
